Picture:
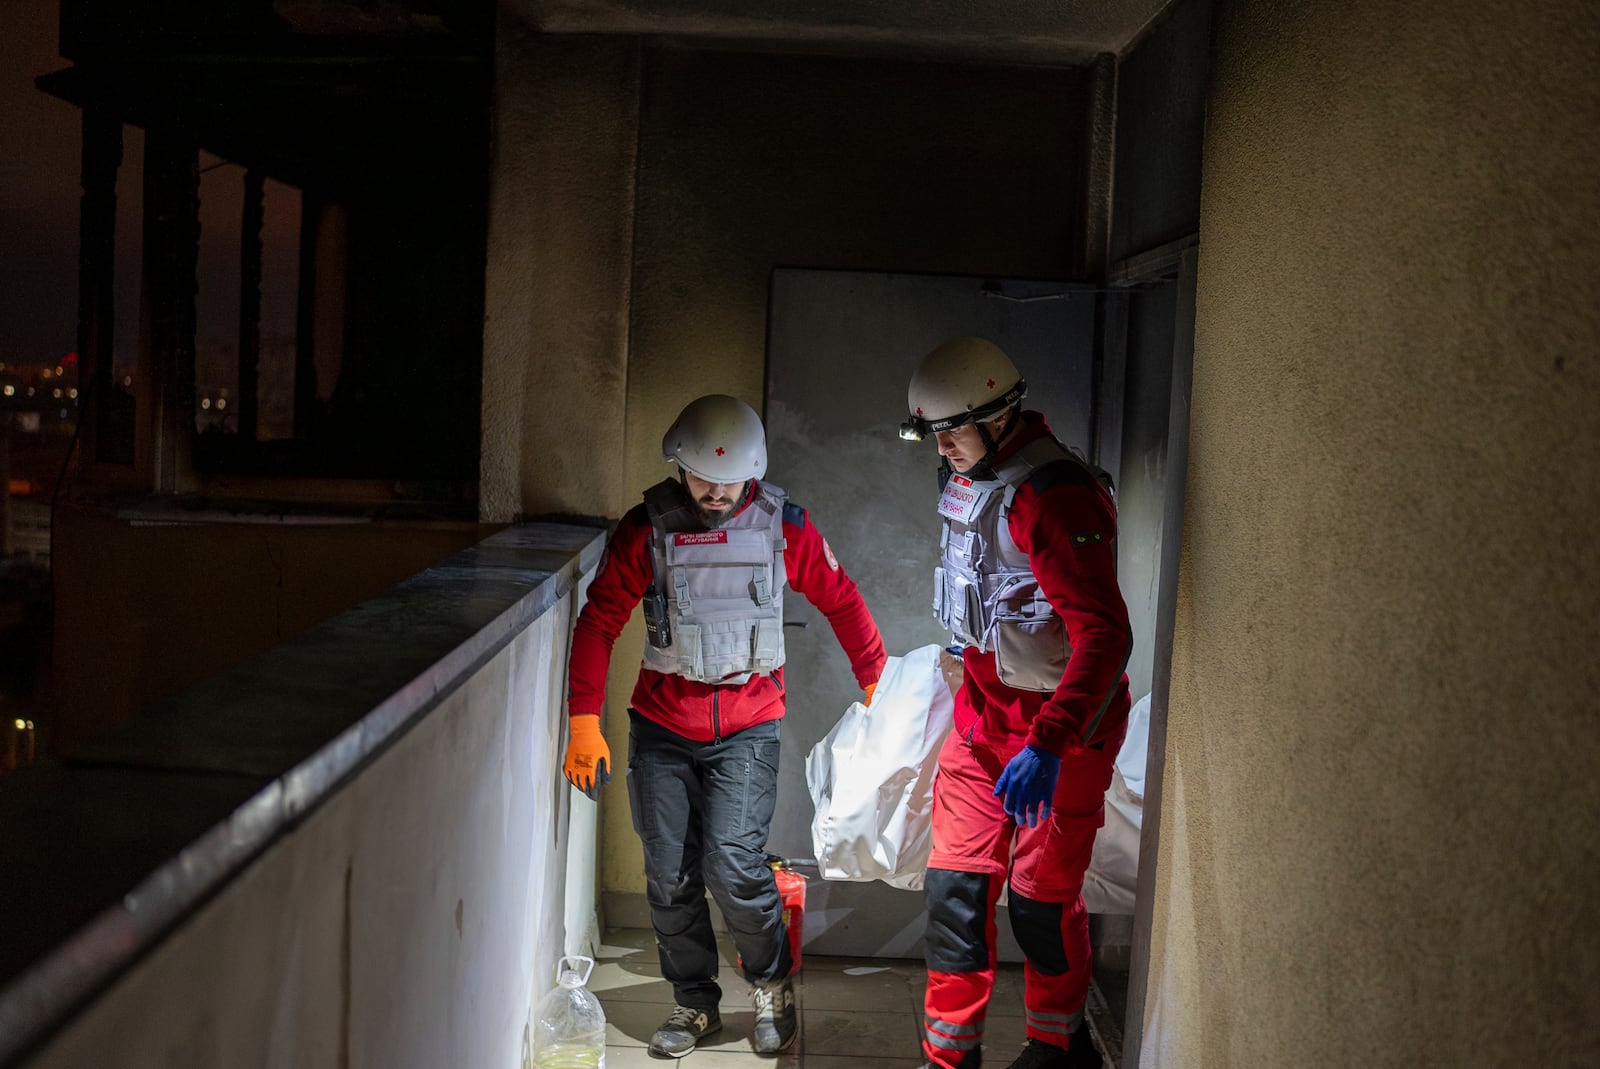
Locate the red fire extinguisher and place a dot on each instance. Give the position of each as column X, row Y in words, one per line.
column 792, row 889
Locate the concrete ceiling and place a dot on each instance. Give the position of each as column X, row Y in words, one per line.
column 1067, row 32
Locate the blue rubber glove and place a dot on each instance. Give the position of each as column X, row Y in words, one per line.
column 1027, row 785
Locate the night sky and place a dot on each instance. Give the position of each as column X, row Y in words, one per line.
column 38, row 191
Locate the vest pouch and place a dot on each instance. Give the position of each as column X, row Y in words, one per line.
column 1030, row 643
column 690, row 662
column 724, row 648
column 766, row 646
column 958, row 605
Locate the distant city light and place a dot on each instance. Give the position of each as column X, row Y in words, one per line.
column 73, row 393
column 22, row 725
column 59, row 371
column 205, row 402
column 45, row 373
column 56, row 392
column 11, row 391
column 127, row 380
column 222, row 402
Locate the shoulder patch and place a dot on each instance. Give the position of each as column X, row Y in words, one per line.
column 794, row 514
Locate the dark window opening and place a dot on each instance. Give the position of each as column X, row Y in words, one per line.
column 285, row 240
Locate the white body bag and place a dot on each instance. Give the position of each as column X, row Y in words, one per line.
column 871, row 776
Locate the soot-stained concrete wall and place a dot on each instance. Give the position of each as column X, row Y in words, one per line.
column 555, row 363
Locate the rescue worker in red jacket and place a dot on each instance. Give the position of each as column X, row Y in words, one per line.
column 709, row 553
column 1027, row 584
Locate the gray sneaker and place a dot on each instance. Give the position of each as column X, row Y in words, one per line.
column 682, row 1029
column 776, row 1021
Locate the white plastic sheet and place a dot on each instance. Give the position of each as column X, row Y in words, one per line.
column 871, row 776
column 1108, row 886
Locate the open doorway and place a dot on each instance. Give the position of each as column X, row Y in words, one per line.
column 1101, row 365
column 841, row 347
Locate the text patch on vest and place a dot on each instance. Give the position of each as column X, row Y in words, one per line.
column 961, row 501
column 701, row 538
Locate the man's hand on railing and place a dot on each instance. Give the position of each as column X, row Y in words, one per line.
column 588, row 766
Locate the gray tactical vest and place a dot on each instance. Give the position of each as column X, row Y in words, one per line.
column 984, row 589
column 723, row 587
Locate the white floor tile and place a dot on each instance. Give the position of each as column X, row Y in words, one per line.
column 855, row 1013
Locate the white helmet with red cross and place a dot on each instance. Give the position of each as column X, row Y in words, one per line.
column 719, row 438
column 965, row 380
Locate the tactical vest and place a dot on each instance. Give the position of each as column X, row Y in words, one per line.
column 718, row 593
column 984, row 590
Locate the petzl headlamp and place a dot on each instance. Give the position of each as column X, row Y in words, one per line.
column 916, row 428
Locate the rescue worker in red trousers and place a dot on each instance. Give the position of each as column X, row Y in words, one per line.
column 709, row 553
column 1027, row 584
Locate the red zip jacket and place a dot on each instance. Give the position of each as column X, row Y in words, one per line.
column 1069, row 532
column 706, row 711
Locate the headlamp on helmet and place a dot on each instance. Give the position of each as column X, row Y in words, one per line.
column 917, row 427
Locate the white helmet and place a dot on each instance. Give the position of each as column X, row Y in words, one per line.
column 719, row 438
column 962, row 381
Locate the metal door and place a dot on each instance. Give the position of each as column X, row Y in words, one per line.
column 841, row 348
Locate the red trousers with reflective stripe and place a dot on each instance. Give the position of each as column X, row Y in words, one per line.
column 1046, row 863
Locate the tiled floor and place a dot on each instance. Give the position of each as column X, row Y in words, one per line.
column 855, row 1013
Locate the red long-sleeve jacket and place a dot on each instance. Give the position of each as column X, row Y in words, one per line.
column 1068, row 530
column 705, row 711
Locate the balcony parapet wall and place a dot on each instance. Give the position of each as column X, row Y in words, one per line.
column 350, row 849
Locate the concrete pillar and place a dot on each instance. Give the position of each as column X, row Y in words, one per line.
column 167, row 325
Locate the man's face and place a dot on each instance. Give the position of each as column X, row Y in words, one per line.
column 962, row 446
column 714, row 502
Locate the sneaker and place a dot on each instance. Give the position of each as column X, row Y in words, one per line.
column 776, row 1021
column 682, row 1029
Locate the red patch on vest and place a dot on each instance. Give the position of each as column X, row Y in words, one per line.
column 701, row 538
column 827, row 551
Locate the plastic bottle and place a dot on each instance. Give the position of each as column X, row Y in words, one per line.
column 571, row 1028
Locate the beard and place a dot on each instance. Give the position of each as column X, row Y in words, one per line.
column 714, row 518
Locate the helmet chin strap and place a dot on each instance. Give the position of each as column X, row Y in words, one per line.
column 990, row 443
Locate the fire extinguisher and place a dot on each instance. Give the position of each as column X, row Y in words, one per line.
column 792, row 890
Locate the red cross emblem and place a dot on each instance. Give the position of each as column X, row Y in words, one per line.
column 719, row 450
column 991, row 384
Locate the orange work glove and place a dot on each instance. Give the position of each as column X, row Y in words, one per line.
column 588, row 766
column 867, row 701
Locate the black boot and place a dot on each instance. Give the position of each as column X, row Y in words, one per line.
column 1041, row 1055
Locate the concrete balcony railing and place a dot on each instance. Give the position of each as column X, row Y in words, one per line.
column 355, row 850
